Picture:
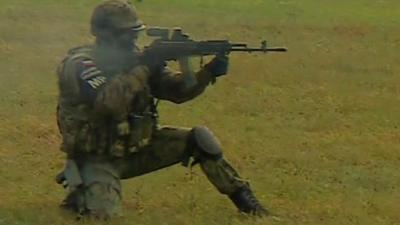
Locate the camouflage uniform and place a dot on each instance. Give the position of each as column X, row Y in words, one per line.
column 108, row 120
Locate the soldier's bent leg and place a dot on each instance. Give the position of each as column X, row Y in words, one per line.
column 206, row 149
column 170, row 146
column 166, row 148
column 99, row 195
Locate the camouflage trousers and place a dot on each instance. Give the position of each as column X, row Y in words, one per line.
column 100, row 194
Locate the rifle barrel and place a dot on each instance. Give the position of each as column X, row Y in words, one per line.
column 272, row 49
column 239, row 45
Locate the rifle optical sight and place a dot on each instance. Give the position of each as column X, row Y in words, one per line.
column 161, row 32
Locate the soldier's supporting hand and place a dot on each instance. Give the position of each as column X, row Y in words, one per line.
column 218, row 66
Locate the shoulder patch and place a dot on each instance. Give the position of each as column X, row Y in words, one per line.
column 89, row 69
column 88, row 72
column 96, row 82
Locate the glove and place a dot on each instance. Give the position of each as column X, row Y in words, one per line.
column 218, row 66
column 60, row 179
column 70, row 177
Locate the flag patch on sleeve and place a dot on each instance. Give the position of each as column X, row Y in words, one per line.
column 91, row 75
column 90, row 69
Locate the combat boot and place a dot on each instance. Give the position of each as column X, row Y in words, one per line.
column 246, row 202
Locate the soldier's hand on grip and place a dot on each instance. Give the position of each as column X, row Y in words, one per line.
column 218, row 66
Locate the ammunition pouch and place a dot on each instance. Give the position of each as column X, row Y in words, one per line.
column 141, row 130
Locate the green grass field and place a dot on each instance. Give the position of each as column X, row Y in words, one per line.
column 316, row 130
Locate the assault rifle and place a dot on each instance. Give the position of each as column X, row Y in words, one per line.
column 171, row 46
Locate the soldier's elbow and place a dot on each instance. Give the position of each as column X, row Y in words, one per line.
column 182, row 97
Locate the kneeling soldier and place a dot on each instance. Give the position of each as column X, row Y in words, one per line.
column 108, row 119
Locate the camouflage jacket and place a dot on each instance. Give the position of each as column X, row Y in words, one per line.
column 106, row 99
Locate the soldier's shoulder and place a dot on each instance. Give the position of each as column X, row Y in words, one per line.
column 84, row 51
column 73, row 58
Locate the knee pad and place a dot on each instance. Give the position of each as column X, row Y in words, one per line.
column 204, row 145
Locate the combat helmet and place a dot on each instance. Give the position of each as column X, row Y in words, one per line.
column 113, row 15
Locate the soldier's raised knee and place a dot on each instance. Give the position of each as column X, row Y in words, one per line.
column 204, row 144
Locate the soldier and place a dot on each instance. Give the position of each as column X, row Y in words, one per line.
column 108, row 119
